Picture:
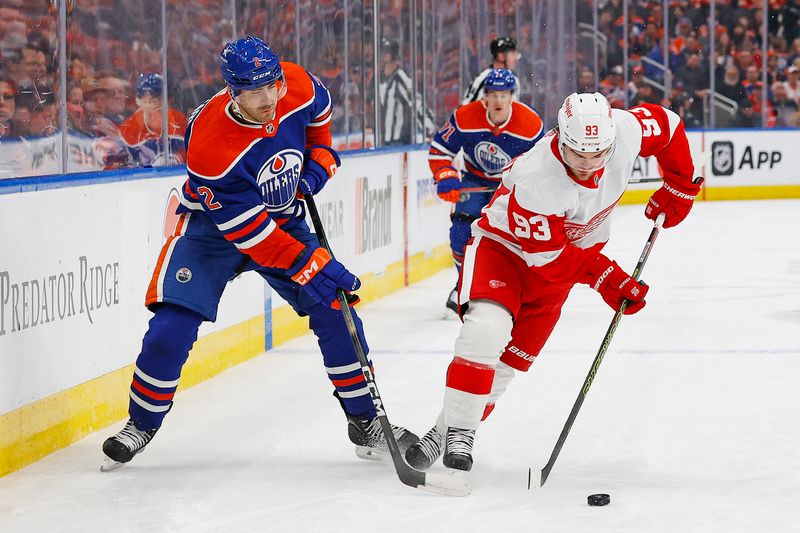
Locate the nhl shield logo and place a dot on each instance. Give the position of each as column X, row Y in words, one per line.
column 183, row 275
column 722, row 158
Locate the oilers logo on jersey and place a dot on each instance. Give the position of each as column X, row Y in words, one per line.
column 491, row 157
column 278, row 178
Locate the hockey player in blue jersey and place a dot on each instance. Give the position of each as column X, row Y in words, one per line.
column 249, row 149
column 491, row 132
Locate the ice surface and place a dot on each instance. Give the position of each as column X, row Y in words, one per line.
column 691, row 424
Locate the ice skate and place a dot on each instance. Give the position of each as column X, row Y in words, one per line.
column 423, row 453
column 121, row 448
column 458, row 449
column 451, row 305
column 367, row 435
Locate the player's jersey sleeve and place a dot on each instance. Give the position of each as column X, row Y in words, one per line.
column 235, row 206
column 445, row 145
column 318, row 130
column 664, row 137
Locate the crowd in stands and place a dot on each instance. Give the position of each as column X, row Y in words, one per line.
column 113, row 45
column 738, row 57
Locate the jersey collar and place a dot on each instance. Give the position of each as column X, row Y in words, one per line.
column 592, row 183
column 268, row 129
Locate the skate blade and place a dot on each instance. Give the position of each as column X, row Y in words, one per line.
column 109, row 464
column 370, row 454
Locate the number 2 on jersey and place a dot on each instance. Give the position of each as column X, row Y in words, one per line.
column 536, row 226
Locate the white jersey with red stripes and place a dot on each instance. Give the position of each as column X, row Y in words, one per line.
column 546, row 216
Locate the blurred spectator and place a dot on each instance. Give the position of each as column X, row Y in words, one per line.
column 785, row 107
column 8, row 107
column 142, row 131
column 613, row 88
column 586, row 82
column 730, row 86
column 39, row 109
column 117, row 98
column 792, row 83
column 755, row 98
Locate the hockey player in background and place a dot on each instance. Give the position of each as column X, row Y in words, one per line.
column 542, row 233
column 142, row 131
column 249, row 148
column 504, row 55
column 490, row 132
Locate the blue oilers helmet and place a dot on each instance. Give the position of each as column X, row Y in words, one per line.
column 249, row 64
column 149, row 83
column 500, row 79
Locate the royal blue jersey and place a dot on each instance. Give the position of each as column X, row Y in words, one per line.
column 244, row 176
column 487, row 148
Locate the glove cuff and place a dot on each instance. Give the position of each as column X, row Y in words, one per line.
column 598, row 271
column 309, row 266
column 445, row 173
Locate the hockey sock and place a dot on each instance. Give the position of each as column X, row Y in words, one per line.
column 165, row 347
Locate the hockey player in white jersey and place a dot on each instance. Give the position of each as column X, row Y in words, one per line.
column 542, row 233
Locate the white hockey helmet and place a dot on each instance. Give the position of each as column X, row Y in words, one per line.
column 585, row 125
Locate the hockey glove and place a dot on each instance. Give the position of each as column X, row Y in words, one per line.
column 447, row 184
column 614, row 285
column 321, row 164
column 674, row 200
column 320, row 276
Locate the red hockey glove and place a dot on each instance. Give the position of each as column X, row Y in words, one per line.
column 447, row 184
column 321, row 164
column 672, row 199
column 320, row 276
column 614, row 285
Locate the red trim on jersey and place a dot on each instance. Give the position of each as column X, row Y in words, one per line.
column 469, row 376
column 248, row 228
column 671, row 151
column 348, row 381
column 278, row 250
column 152, row 289
column 524, row 121
column 151, row 394
column 189, row 191
column 592, row 183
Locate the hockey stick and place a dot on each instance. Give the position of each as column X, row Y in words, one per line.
column 599, row 357
column 441, row 484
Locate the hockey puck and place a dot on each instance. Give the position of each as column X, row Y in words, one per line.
column 598, row 500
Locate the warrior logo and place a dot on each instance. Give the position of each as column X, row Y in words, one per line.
column 183, row 275
column 491, row 157
column 722, row 158
column 278, row 179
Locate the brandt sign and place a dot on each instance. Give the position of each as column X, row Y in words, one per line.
column 374, row 230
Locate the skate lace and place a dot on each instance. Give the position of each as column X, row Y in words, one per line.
column 132, row 438
column 431, row 444
column 375, row 431
column 460, row 441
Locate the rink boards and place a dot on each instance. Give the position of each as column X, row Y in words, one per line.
column 78, row 256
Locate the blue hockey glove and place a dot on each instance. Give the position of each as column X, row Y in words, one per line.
column 321, row 164
column 447, row 184
column 320, row 275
